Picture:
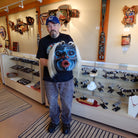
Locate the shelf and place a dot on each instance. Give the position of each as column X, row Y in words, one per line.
column 18, row 78
column 122, row 111
column 24, row 89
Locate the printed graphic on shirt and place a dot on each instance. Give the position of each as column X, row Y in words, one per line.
column 49, row 48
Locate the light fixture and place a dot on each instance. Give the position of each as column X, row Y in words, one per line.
column 7, row 9
column 40, row 1
column 21, row 5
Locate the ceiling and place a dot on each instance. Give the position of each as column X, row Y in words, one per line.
column 13, row 3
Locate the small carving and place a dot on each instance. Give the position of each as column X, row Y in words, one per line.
column 129, row 15
column 126, row 40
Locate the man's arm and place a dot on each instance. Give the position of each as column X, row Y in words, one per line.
column 44, row 62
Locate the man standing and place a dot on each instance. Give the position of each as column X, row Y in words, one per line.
column 62, row 82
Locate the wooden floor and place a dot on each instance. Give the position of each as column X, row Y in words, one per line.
column 15, row 125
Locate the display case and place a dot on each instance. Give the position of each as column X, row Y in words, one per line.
column 103, row 92
column 22, row 73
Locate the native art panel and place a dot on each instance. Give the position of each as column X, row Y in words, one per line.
column 21, row 26
column 64, row 13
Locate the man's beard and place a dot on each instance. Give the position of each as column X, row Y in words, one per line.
column 53, row 34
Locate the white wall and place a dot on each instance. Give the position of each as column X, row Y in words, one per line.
column 115, row 52
column 83, row 29
column 27, row 40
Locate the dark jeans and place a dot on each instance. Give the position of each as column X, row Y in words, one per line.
column 65, row 90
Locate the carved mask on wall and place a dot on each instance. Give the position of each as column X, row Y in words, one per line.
column 129, row 15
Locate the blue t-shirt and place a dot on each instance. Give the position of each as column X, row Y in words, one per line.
column 45, row 44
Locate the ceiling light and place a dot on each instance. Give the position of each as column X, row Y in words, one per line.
column 7, row 9
column 40, row 1
column 21, row 5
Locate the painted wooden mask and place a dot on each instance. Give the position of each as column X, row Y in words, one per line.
column 65, row 57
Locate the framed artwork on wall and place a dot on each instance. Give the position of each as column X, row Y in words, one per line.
column 126, row 40
column 0, row 45
column 7, row 44
column 16, row 46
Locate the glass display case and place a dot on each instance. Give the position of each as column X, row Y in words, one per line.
column 22, row 73
column 103, row 91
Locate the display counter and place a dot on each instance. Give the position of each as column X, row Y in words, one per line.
column 103, row 92
column 22, row 73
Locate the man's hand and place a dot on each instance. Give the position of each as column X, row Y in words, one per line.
column 43, row 61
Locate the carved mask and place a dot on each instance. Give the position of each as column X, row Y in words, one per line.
column 65, row 57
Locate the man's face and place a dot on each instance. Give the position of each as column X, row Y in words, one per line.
column 53, row 29
column 65, row 57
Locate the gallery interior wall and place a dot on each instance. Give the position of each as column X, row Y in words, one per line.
column 84, row 30
column 115, row 52
column 27, row 40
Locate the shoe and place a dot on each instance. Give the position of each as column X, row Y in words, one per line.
column 52, row 127
column 66, row 128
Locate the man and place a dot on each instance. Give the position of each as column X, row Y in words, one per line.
column 62, row 82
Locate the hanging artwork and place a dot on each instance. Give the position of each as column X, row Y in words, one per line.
column 11, row 24
column 0, row 45
column 43, row 18
column 2, row 32
column 101, row 50
column 16, row 46
column 129, row 15
column 64, row 13
column 7, row 44
column 21, row 26
column 30, row 20
column 126, row 40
